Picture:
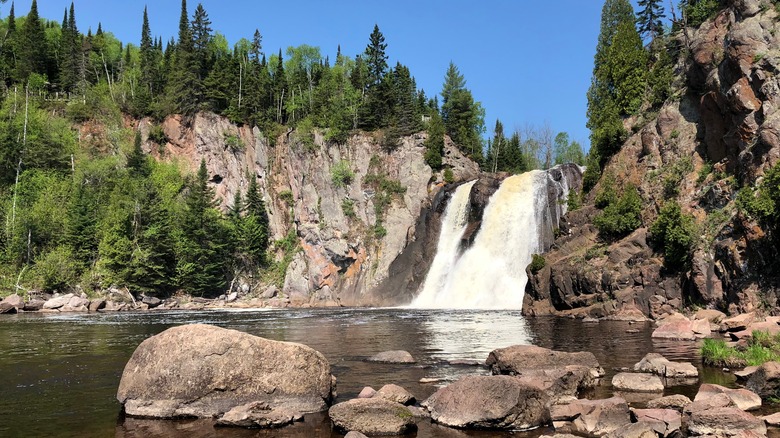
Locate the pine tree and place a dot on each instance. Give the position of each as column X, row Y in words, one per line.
column 618, row 75
column 136, row 160
column 464, row 119
column 32, row 47
column 8, row 50
column 434, row 144
column 378, row 89
column 405, row 113
column 185, row 87
column 70, row 62
column 254, row 227
column 649, row 18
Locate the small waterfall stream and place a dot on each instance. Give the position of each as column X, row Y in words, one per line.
column 490, row 274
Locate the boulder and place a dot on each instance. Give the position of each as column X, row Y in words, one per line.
column 657, row 364
column 701, row 328
column 34, row 305
column 737, row 323
column 398, row 356
column 591, row 418
column 765, row 381
column 57, row 302
column 680, row 329
column 201, row 371
column 745, row 373
column 640, row 429
column 395, row 393
column 353, row 434
column 372, row 416
column 772, row 420
column 561, row 382
column 665, row 422
column 677, row 402
column 519, row 358
column 711, row 315
column 367, row 392
column 258, row 415
column 97, row 304
column 770, row 327
column 724, row 422
column 15, row 300
column 741, row 398
column 152, row 302
column 713, row 402
column 489, row 402
column 7, row 308
column 638, row 382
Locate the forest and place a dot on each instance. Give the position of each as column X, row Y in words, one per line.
column 99, row 212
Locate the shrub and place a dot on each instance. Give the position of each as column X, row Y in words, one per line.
column 287, row 197
column 379, row 231
column 762, row 203
column 621, row 217
column 573, row 201
column 675, row 175
column 537, row 263
column 449, row 178
column 673, row 232
column 341, row 174
column 592, row 173
column 234, row 142
column 348, row 207
column 700, row 11
column 606, row 194
column 57, row 269
column 157, row 135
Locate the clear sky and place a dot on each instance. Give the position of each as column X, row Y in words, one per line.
column 527, row 61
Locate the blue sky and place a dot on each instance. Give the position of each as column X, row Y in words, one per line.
column 527, row 61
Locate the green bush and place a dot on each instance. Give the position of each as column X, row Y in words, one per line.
column 348, row 207
column 449, row 178
column 234, row 142
column 673, row 232
column 700, row 11
column 621, row 217
column 57, row 269
column 287, row 197
column 592, row 173
column 573, row 201
column 607, row 194
column 157, row 135
column 674, row 176
column 341, row 174
column 537, row 263
column 763, row 202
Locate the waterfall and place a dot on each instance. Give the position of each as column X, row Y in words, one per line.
column 518, row 221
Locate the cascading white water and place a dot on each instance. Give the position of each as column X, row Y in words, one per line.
column 491, row 273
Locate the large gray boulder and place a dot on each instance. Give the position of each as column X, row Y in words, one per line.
column 203, row 371
column 15, row 300
column 521, row 358
column 489, row 402
column 7, row 308
column 372, row 416
column 58, row 301
column 665, row 422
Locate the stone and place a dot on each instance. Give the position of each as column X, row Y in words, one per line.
column 57, row 302
column 258, row 415
column 367, row 392
column 741, row 398
column 591, row 417
column 7, row 308
column 677, row 402
column 354, row 434
column 34, row 305
column 560, row 382
column 395, row 393
column 201, row 371
column 398, row 356
column 765, row 381
column 677, row 329
column 518, row 358
column 665, row 422
column 372, row 416
column 737, row 323
column 747, row 8
column 231, row 297
column 745, row 373
column 772, row 420
column 15, row 300
column 152, row 302
column 724, row 422
column 657, row 364
column 713, row 402
column 770, row 327
column 97, row 304
column 638, row 382
column 639, row 429
column 711, row 315
column 269, row 292
column 701, row 328
column 489, row 402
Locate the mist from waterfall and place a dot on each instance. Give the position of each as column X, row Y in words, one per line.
column 490, row 274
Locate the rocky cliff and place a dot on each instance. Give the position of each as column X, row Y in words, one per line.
column 349, row 230
column 721, row 132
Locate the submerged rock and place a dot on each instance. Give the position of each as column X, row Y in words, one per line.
column 520, row 358
column 398, row 356
column 258, row 414
column 489, row 402
column 657, row 364
column 202, row 371
column 639, row 382
column 395, row 393
column 372, row 416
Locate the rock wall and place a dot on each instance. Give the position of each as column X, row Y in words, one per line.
column 342, row 259
column 725, row 113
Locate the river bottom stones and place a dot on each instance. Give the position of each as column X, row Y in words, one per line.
column 204, row 371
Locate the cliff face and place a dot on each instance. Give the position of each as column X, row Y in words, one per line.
column 727, row 117
column 342, row 256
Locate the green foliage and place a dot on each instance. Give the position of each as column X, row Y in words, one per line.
column 573, row 201
column 341, row 174
column 348, row 207
column 537, row 263
column 607, row 193
column 761, row 347
column 621, row 217
column 649, row 18
column 661, row 75
column 379, row 231
column 699, row 11
column 449, row 178
column 464, row 118
column 56, row 270
column 157, row 135
column 595, row 252
column 287, row 197
column 674, row 176
column 289, row 245
column 592, row 173
column 566, row 151
column 434, row 144
column 234, row 142
column 674, row 233
column 763, row 202
column 704, row 172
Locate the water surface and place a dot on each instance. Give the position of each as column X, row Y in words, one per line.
column 61, row 371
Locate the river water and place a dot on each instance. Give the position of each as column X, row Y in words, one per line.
column 60, row 372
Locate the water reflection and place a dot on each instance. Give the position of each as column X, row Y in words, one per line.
column 61, row 372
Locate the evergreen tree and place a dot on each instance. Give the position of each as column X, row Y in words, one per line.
column 406, row 116
column 254, row 227
column 464, row 119
column 434, row 144
column 151, row 268
column 8, row 50
column 32, row 47
column 649, row 18
column 618, row 78
column 148, row 65
column 185, row 87
column 70, row 46
column 378, row 88
column 136, row 160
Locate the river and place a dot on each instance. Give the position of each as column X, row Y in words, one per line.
column 60, row 372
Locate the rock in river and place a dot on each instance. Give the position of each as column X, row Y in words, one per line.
column 372, row 416
column 399, row 356
column 203, row 371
